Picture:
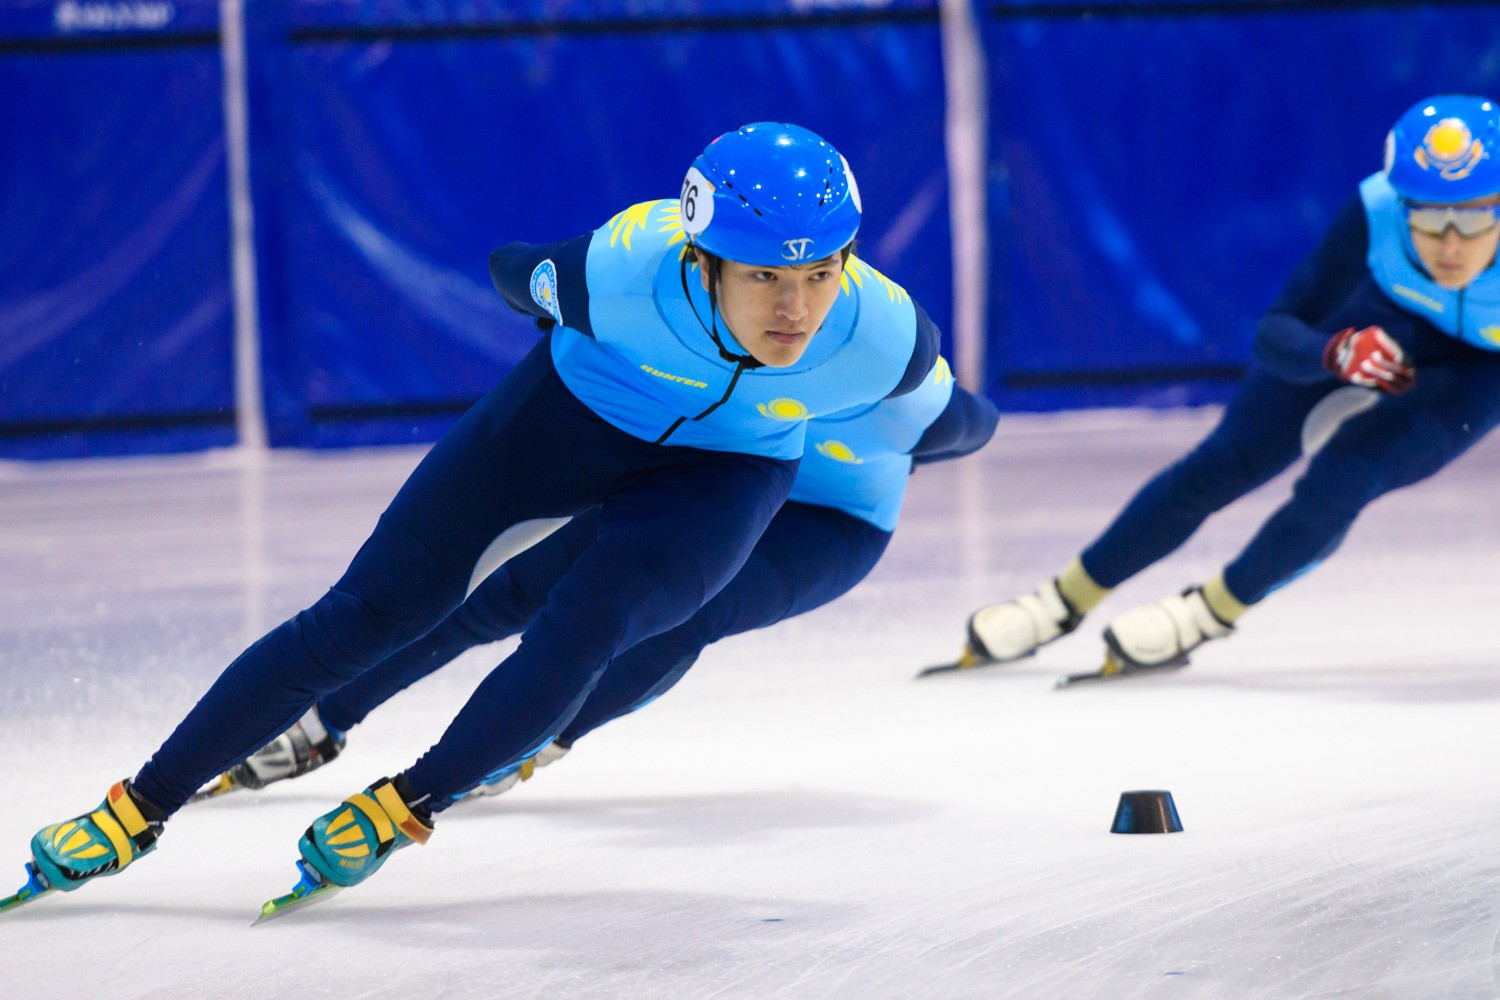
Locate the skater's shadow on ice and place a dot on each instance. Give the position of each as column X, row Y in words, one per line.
column 240, row 913
column 1433, row 681
column 718, row 818
column 722, row 818
column 585, row 927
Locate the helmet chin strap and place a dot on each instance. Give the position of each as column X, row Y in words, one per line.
column 712, row 326
column 742, row 362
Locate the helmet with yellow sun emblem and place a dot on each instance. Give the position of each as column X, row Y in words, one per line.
column 770, row 195
column 1445, row 150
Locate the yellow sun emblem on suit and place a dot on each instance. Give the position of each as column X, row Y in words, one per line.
column 838, row 451
column 858, row 271
column 668, row 220
column 784, row 409
column 941, row 373
column 1491, row 333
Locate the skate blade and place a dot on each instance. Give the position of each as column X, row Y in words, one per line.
column 224, row 784
column 35, row 888
column 1116, row 669
column 968, row 660
column 309, row 890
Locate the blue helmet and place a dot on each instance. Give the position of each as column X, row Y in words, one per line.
column 770, row 195
column 1445, row 149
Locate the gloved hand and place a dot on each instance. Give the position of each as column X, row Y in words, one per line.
column 1371, row 358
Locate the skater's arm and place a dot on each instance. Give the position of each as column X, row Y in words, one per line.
column 545, row 280
column 924, row 354
column 966, row 424
column 1289, row 340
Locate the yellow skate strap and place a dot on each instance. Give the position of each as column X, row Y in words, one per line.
column 124, row 807
column 387, row 812
column 391, row 802
column 105, row 821
column 384, row 830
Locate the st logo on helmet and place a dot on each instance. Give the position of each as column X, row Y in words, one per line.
column 796, row 249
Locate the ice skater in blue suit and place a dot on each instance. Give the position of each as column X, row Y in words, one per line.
column 1381, row 360
column 689, row 342
column 828, row 536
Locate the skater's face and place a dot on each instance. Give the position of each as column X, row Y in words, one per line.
column 1451, row 257
column 775, row 311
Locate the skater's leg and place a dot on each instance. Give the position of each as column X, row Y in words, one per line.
column 501, row 606
column 1401, row 441
column 494, row 469
column 808, row 557
column 665, row 547
column 1259, row 435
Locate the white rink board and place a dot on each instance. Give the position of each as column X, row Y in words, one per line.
column 799, row 818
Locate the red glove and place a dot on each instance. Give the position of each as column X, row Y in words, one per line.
column 1370, row 358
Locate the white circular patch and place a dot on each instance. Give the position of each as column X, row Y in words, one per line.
column 544, row 289
column 696, row 202
column 853, row 187
column 1325, row 419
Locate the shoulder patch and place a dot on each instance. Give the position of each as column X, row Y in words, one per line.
column 544, row 289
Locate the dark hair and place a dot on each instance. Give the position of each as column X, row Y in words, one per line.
column 712, row 263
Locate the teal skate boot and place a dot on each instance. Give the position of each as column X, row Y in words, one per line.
column 345, row 846
column 98, row 843
column 348, row 844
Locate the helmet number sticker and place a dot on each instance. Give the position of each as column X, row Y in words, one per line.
column 697, row 202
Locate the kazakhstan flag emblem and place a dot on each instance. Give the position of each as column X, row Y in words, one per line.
column 784, row 409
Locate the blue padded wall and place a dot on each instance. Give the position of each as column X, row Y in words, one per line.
column 115, row 314
column 1158, row 169
column 395, row 145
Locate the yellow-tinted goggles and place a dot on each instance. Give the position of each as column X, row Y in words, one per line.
column 1435, row 219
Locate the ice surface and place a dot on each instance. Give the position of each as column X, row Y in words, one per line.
column 799, row 818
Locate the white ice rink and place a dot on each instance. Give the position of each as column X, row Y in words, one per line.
column 799, row 818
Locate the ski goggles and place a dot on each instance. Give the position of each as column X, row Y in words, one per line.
column 1434, row 220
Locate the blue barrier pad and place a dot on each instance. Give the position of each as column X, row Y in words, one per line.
column 115, row 308
column 611, row 14
column 1156, row 179
column 387, row 170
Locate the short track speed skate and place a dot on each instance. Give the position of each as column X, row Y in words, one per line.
column 1013, row 630
column 1115, row 670
column 95, row 844
column 306, row 746
column 310, row 888
column 35, row 888
column 349, row 843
